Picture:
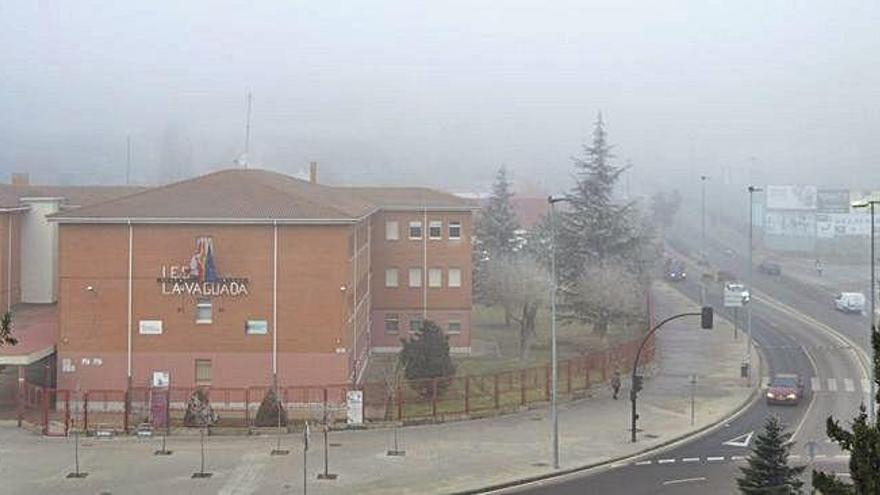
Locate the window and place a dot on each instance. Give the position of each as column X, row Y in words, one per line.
column 435, row 229
column 455, row 230
column 256, row 327
column 415, row 323
column 150, row 327
column 392, row 231
column 392, row 323
column 454, row 326
column 415, row 277
column 204, row 311
column 435, row 277
column 415, row 230
column 391, row 277
column 203, row 371
column 454, row 277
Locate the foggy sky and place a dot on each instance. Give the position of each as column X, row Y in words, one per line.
column 441, row 93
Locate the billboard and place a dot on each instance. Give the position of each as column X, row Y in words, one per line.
column 790, row 224
column 832, row 201
column 791, row 197
column 836, row 225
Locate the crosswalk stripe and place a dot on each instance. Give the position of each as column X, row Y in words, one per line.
column 815, row 384
column 832, row 384
column 765, row 381
column 848, row 385
column 866, row 385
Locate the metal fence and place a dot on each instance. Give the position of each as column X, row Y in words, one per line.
column 438, row 399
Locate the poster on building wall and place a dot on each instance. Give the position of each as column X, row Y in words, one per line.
column 791, row 197
column 832, row 201
column 790, row 224
column 355, row 407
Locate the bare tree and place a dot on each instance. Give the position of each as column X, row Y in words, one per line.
column 604, row 294
column 520, row 285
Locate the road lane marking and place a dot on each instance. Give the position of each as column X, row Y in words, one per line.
column 795, row 456
column 713, row 459
column 820, row 456
column 643, row 463
column 848, row 385
column 740, row 441
column 665, row 461
column 737, row 457
column 691, row 459
column 842, row 456
column 815, row 384
column 812, row 397
column 866, row 385
column 832, row 384
column 684, row 480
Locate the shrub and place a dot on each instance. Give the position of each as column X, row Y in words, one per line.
column 426, row 355
column 271, row 411
column 198, row 410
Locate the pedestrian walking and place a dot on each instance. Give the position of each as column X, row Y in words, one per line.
column 615, row 383
column 819, row 266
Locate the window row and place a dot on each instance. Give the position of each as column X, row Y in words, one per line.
column 203, row 317
column 435, row 230
column 414, row 279
column 392, row 324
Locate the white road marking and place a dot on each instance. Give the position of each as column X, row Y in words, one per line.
column 866, row 385
column 820, row 456
column 740, row 441
column 665, row 461
column 685, row 480
column 691, row 459
column 815, row 384
column 795, row 456
column 737, row 457
column 842, row 456
column 832, row 384
column 848, row 385
column 812, row 397
column 643, row 463
column 713, row 459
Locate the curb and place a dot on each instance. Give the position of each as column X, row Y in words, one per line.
column 745, row 405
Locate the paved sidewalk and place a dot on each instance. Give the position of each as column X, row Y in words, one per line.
column 439, row 458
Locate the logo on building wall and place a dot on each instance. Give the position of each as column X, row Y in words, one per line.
column 199, row 277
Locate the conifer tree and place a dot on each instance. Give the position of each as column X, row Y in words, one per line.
column 768, row 471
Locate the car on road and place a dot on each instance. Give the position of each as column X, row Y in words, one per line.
column 850, row 302
column 785, row 389
column 770, row 267
column 675, row 270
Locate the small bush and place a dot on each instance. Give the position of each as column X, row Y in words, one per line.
column 199, row 411
column 426, row 355
column 269, row 411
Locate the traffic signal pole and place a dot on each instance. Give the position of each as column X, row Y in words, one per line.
column 706, row 323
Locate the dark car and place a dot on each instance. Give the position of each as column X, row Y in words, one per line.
column 785, row 389
column 675, row 271
column 770, row 267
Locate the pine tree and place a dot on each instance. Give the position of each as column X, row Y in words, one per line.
column 424, row 356
column 863, row 444
column 495, row 234
column 768, row 471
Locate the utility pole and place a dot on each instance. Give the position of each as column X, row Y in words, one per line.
column 703, row 230
column 247, row 131
column 554, row 416
column 693, row 392
column 872, row 413
column 752, row 190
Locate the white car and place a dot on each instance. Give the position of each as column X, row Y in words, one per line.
column 850, row 302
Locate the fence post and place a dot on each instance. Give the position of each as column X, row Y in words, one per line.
column 325, row 405
column 496, row 392
column 21, row 396
column 547, row 383
column 522, row 387
column 85, row 405
column 45, row 412
column 604, row 366
column 434, row 398
column 467, row 394
column 568, row 375
column 586, row 372
column 247, row 406
column 127, row 409
column 66, row 412
column 399, row 397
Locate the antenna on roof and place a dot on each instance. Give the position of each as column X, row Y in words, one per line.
column 243, row 159
column 128, row 159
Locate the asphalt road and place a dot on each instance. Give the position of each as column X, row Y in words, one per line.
column 789, row 324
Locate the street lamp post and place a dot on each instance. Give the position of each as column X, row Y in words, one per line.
column 554, row 416
column 873, row 325
column 752, row 191
column 703, row 179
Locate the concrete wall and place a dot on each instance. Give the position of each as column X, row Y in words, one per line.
column 39, row 251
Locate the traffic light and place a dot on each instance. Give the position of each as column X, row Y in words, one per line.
column 707, row 318
column 637, row 383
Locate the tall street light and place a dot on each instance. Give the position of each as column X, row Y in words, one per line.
column 554, row 416
column 752, row 191
column 703, row 179
column 873, row 325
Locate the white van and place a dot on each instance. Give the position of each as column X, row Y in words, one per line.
column 850, row 302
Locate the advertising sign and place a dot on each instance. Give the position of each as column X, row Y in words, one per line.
column 355, row 402
column 791, row 197
column 834, row 225
column 790, row 224
column 832, row 201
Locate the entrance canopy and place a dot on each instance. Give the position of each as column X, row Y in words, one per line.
column 36, row 328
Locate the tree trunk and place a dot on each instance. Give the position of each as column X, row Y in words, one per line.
column 527, row 330
column 506, row 318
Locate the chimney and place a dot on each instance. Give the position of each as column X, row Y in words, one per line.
column 20, row 179
column 313, row 172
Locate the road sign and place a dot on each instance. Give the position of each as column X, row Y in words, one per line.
column 735, row 296
column 740, row 441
